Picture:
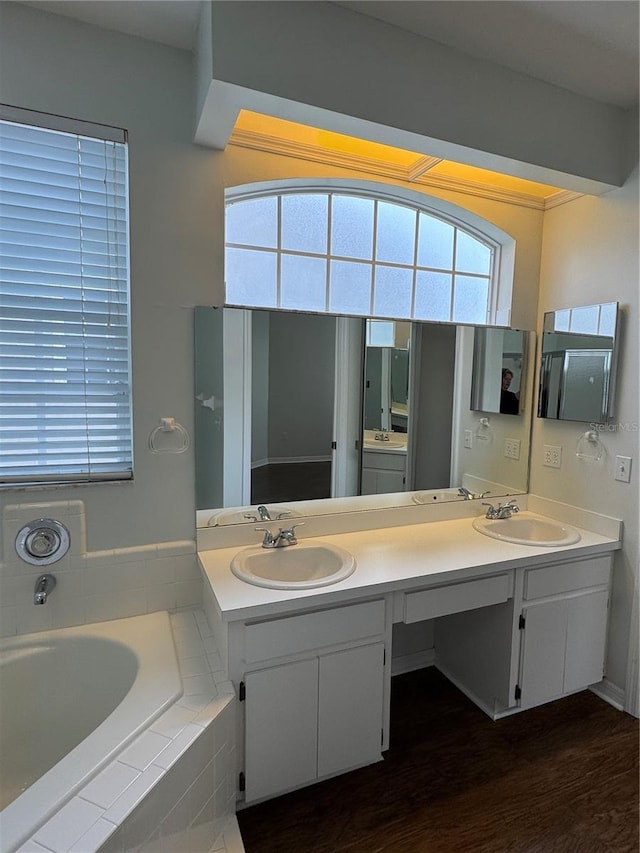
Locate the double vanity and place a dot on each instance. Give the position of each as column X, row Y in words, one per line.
column 517, row 608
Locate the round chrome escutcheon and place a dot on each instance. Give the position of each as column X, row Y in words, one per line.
column 42, row 542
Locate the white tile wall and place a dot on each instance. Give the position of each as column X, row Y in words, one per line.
column 91, row 586
column 174, row 788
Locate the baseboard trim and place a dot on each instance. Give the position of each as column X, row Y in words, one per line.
column 610, row 692
column 409, row 663
column 231, row 836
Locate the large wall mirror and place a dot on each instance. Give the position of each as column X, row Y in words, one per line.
column 308, row 414
column 577, row 371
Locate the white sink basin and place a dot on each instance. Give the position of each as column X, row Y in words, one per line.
column 523, row 529
column 396, row 441
column 303, row 566
column 247, row 515
column 436, row 496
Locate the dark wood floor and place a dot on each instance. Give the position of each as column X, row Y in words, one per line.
column 562, row 777
column 295, row 481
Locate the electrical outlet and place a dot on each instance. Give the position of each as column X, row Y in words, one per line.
column 552, row 456
column 623, row 469
column 512, row 448
column 468, row 438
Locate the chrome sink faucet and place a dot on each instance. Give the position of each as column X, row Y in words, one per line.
column 505, row 510
column 282, row 539
column 263, row 512
column 471, row 496
column 44, row 585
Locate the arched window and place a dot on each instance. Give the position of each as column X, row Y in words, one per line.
column 364, row 249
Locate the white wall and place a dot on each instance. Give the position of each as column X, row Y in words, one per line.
column 57, row 65
column 590, row 254
column 333, row 68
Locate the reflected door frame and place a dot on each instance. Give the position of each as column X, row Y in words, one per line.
column 347, row 409
column 237, row 387
column 237, row 378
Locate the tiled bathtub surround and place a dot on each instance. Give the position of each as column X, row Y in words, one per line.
column 173, row 788
column 91, row 586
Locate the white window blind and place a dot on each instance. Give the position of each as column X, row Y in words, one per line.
column 65, row 401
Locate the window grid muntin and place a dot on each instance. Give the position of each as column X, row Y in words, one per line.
column 454, row 272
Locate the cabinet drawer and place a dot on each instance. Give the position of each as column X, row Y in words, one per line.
column 294, row 634
column 566, row 577
column 455, row 598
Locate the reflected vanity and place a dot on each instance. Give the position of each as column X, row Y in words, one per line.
column 280, row 390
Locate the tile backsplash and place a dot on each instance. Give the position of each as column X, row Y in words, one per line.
column 92, row 586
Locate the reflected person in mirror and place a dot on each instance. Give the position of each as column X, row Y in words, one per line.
column 509, row 401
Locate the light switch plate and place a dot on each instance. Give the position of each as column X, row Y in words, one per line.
column 468, row 438
column 623, row 469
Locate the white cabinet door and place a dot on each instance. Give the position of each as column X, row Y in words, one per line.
column 542, row 668
column 281, row 728
column 350, row 708
column 378, row 482
column 563, row 646
column 586, row 640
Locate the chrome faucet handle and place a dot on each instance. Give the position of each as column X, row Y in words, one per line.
column 268, row 540
column 288, row 536
column 492, row 512
column 510, row 508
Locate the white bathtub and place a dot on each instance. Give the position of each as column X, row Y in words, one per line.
column 71, row 699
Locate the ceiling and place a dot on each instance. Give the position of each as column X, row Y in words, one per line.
column 589, row 47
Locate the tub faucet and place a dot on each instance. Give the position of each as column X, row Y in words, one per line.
column 44, row 585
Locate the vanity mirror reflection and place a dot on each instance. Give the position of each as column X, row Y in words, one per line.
column 385, row 411
column 281, row 416
column 498, row 357
column 577, row 371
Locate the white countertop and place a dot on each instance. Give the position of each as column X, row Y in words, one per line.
column 388, row 560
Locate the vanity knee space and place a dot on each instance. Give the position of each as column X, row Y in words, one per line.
column 518, row 639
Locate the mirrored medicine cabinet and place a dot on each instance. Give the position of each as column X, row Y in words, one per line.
column 305, row 412
column 578, row 363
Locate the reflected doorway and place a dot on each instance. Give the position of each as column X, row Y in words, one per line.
column 292, row 406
